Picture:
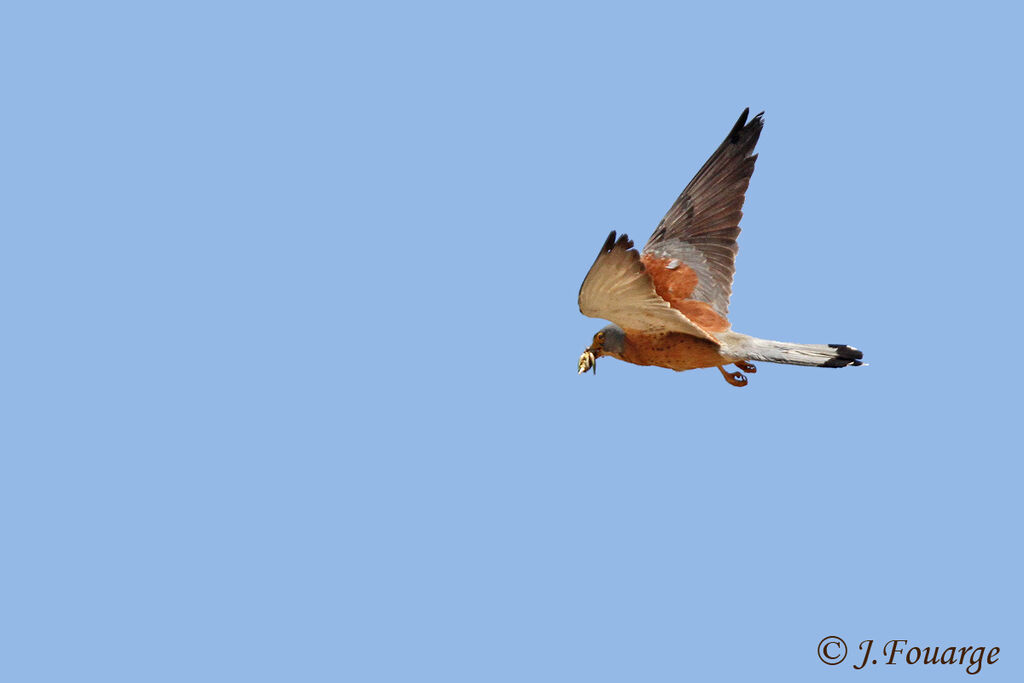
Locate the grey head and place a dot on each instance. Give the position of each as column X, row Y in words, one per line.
column 609, row 341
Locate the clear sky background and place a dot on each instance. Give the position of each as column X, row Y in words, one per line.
column 290, row 341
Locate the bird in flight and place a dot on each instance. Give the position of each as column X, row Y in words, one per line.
column 669, row 303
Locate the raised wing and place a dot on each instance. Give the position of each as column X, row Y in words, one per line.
column 697, row 237
column 618, row 289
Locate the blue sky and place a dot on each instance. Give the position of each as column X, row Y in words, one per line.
column 291, row 336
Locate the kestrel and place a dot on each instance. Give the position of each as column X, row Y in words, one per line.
column 669, row 303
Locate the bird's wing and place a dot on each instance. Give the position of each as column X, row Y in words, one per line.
column 694, row 246
column 618, row 289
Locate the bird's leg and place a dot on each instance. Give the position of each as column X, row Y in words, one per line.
column 745, row 366
column 737, row 379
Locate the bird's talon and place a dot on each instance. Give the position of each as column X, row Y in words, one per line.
column 746, row 367
column 737, row 379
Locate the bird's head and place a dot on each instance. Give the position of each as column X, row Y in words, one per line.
column 609, row 341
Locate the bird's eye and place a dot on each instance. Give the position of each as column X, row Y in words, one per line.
column 600, row 335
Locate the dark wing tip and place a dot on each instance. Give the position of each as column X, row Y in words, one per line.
column 757, row 122
column 609, row 243
column 740, row 122
column 743, row 130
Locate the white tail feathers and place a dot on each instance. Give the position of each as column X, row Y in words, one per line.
column 817, row 355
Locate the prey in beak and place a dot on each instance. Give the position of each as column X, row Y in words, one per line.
column 587, row 361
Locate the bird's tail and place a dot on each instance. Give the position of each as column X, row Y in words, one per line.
column 817, row 355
